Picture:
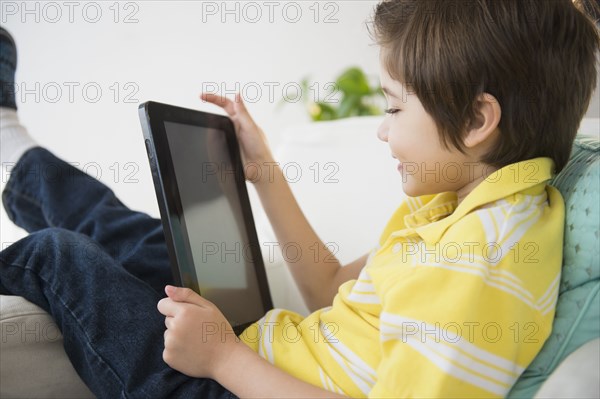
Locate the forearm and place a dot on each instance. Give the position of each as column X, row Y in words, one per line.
column 248, row 375
column 314, row 266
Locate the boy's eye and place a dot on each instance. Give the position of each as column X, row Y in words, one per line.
column 391, row 110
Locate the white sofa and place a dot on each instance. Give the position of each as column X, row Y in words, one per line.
column 348, row 201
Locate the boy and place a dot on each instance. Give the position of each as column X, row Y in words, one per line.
column 485, row 98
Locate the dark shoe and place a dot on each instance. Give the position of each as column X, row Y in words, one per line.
column 8, row 66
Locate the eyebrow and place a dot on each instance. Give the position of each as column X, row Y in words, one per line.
column 389, row 92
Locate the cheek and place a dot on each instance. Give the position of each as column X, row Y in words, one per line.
column 400, row 136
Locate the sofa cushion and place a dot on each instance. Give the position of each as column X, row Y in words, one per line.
column 577, row 318
column 33, row 363
column 576, row 376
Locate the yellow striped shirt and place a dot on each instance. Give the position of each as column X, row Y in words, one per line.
column 455, row 301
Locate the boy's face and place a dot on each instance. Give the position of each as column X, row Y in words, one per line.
column 425, row 166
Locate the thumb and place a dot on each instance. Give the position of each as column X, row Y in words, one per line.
column 186, row 295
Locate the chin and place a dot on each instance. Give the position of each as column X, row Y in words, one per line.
column 412, row 191
column 417, row 190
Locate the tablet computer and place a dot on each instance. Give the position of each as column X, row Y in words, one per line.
column 205, row 210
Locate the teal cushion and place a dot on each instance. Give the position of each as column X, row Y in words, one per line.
column 577, row 318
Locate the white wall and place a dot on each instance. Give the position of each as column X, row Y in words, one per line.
column 166, row 54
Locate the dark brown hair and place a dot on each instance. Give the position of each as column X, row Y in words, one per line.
column 536, row 57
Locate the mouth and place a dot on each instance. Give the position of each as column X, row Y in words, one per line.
column 399, row 164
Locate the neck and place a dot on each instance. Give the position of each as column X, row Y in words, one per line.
column 465, row 190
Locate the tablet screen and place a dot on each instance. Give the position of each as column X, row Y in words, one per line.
column 214, row 222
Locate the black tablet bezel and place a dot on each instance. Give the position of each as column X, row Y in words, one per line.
column 152, row 116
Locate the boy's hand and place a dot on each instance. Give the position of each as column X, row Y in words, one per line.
column 198, row 340
column 255, row 151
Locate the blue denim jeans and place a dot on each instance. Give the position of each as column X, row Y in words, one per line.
column 99, row 269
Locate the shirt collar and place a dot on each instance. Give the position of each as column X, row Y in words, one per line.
column 435, row 217
column 436, row 208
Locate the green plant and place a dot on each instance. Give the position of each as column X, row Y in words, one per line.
column 350, row 95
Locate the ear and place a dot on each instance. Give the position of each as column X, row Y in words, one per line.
column 487, row 118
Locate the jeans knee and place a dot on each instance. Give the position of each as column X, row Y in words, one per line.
column 64, row 243
column 55, row 234
column 38, row 241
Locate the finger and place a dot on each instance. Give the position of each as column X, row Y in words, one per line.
column 240, row 105
column 168, row 307
column 220, row 101
column 235, row 109
column 185, row 295
column 243, row 115
column 169, row 322
column 165, row 337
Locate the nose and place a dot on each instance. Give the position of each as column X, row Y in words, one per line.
column 382, row 132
